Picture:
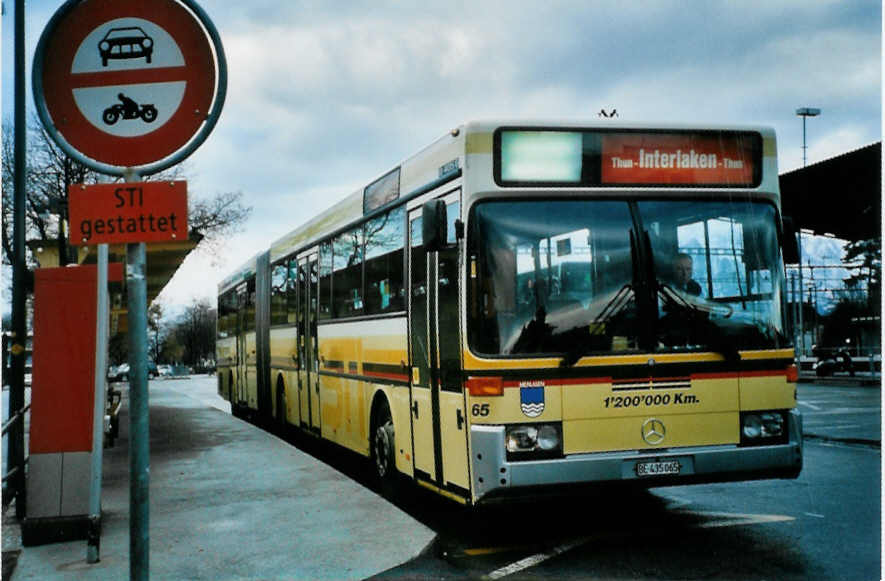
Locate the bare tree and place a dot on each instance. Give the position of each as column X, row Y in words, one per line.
column 214, row 220
column 194, row 333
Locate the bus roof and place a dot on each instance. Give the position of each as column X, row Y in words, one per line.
column 475, row 138
column 243, row 272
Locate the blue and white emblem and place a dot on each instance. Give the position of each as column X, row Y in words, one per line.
column 531, row 399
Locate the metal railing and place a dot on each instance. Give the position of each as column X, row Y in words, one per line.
column 18, row 416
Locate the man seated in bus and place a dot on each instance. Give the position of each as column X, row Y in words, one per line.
column 682, row 270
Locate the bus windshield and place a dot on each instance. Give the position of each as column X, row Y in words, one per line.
column 601, row 276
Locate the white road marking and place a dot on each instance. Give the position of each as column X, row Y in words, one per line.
column 535, row 559
column 815, row 515
column 845, row 411
column 720, row 519
column 855, row 447
column 728, row 519
column 811, row 405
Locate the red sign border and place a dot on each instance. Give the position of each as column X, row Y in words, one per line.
column 200, row 74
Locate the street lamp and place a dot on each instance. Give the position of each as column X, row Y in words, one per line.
column 806, row 112
column 803, row 112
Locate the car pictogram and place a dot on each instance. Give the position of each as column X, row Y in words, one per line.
column 130, row 42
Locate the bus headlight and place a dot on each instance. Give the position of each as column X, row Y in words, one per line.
column 521, row 438
column 752, row 426
column 763, row 427
column 533, row 441
column 548, row 438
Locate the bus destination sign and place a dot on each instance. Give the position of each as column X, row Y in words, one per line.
column 123, row 213
column 643, row 158
column 594, row 158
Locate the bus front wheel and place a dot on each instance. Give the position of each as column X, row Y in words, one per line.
column 281, row 408
column 383, row 450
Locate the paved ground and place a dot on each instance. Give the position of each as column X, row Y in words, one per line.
column 230, row 501
column 841, row 412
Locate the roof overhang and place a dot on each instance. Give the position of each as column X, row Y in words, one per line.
column 163, row 260
column 841, row 196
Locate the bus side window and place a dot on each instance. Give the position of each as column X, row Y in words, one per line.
column 291, row 291
column 279, row 276
column 385, row 240
column 347, row 274
column 325, row 274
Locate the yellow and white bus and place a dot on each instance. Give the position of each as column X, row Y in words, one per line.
column 522, row 308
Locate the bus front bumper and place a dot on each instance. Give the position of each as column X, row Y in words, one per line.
column 494, row 476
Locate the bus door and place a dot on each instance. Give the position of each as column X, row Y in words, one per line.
column 302, row 298
column 308, row 378
column 240, row 334
column 439, row 422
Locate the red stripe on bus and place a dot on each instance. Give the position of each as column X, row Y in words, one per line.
column 564, row 381
column 382, row 375
column 738, row 375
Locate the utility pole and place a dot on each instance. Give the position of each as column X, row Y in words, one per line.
column 803, row 112
column 16, row 462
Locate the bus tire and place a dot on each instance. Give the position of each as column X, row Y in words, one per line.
column 383, row 450
column 281, row 407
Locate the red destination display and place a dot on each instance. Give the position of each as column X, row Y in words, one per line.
column 123, row 213
column 683, row 159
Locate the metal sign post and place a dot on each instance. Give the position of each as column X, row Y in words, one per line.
column 139, row 416
column 100, row 396
column 139, row 440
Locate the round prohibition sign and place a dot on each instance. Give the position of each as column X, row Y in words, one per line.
column 135, row 85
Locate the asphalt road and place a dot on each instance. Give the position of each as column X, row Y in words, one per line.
column 824, row 525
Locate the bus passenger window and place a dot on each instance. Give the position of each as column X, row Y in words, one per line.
column 278, row 284
column 385, row 239
column 248, row 306
column 291, row 290
column 347, row 274
column 325, row 274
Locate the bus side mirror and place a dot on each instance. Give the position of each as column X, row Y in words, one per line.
column 434, row 225
column 791, row 243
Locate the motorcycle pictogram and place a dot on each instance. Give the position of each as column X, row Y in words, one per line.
column 129, row 109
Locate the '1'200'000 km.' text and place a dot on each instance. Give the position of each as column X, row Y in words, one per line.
column 658, row 399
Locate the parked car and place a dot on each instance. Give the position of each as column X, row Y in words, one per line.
column 164, row 370
column 121, row 372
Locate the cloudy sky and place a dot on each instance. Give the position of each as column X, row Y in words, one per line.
column 325, row 96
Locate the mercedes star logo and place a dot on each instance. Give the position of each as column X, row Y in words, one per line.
column 653, row 431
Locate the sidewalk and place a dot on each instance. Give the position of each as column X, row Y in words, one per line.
column 230, row 501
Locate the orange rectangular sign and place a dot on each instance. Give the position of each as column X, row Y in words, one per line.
column 683, row 159
column 128, row 212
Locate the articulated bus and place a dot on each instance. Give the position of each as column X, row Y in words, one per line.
column 503, row 315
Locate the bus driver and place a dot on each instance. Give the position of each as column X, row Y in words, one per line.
column 682, row 269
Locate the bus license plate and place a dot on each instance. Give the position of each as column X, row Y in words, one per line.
column 644, row 469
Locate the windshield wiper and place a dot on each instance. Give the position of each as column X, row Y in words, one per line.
column 671, row 297
column 597, row 326
column 691, row 321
